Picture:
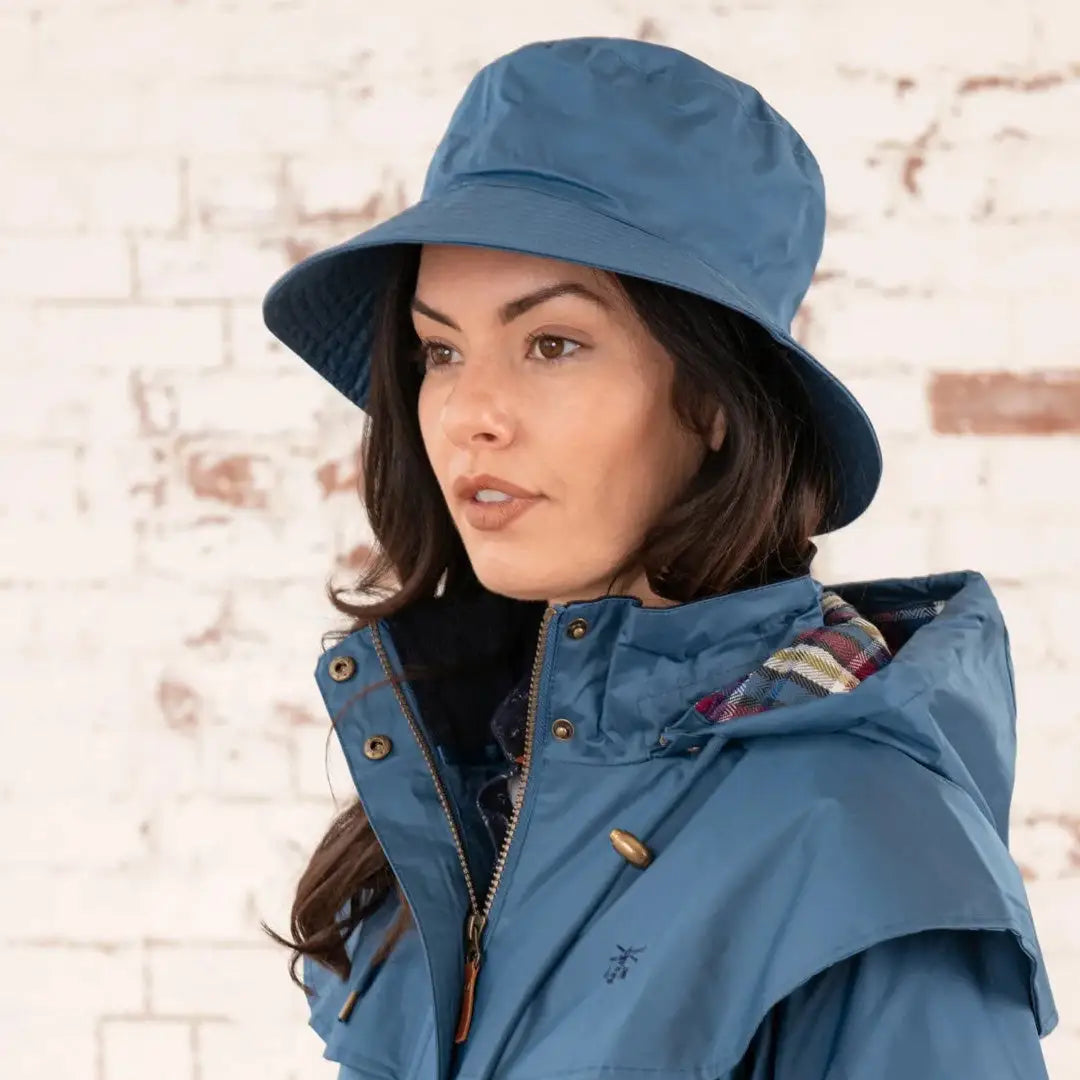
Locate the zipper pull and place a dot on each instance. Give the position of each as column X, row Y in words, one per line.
column 474, row 927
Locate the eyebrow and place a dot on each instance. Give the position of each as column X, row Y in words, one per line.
column 513, row 308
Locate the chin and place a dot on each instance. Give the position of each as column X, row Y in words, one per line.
column 516, row 584
column 517, row 576
column 522, row 582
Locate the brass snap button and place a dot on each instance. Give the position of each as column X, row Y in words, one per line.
column 577, row 628
column 562, row 729
column 377, row 747
column 342, row 668
column 630, row 848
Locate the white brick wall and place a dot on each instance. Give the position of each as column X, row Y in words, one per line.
column 166, row 534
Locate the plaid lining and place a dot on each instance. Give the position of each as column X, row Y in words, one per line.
column 828, row 660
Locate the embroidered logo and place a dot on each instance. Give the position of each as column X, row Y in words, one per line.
column 619, row 966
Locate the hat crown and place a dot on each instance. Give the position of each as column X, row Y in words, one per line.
column 657, row 139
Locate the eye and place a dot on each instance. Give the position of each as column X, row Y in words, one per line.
column 432, row 354
column 551, row 346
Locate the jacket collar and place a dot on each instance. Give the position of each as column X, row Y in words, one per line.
column 617, row 669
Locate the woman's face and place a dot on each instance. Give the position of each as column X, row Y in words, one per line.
column 538, row 373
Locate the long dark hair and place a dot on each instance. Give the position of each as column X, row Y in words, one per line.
column 745, row 519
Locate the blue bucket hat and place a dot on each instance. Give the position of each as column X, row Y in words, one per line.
column 626, row 156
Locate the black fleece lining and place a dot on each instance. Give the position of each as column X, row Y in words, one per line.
column 491, row 638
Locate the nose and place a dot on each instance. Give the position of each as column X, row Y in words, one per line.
column 479, row 408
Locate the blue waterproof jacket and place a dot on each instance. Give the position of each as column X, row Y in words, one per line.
column 827, row 892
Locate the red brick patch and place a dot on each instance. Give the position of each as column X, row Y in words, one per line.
column 229, row 479
column 1005, row 403
column 338, row 475
column 180, row 705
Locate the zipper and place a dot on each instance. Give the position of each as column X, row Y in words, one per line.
column 476, row 920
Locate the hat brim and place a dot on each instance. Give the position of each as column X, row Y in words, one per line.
column 322, row 308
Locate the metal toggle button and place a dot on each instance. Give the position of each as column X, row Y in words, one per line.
column 631, row 848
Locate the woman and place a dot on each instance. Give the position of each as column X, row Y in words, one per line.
column 639, row 795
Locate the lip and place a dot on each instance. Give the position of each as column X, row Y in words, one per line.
column 496, row 515
column 466, row 487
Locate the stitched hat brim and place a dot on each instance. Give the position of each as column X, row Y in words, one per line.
column 322, row 308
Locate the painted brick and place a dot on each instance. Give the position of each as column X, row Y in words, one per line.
column 115, row 974
column 207, row 543
column 861, row 183
column 896, row 403
column 1053, row 33
column 858, row 104
column 960, row 466
column 124, row 907
column 109, row 835
column 65, row 267
column 57, row 402
column 61, row 619
column 915, row 43
column 63, row 116
column 1031, row 474
column 1036, row 101
column 65, row 753
column 111, row 337
column 236, row 117
column 283, row 1050
column 989, row 258
column 32, row 1050
column 1005, row 546
column 236, row 983
column 134, row 194
column 213, row 402
column 39, row 551
column 880, row 542
column 859, row 330
column 207, row 267
column 135, row 1049
column 35, row 194
column 235, row 191
column 251, row 345
column 18, row 45
column 45, row 478
column 238, row 763
column 345, row 192
column 1038, row 179
column 1046, row 337
column 322, row 772
column 68, row 192
column 207, row 831
column 17, row 326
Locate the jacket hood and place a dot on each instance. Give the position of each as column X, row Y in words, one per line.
column 922, row 664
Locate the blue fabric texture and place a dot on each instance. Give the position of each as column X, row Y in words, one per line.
column 626, row 155
column 831, row 895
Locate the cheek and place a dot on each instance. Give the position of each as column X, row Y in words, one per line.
column 639, row 457
column 615, row 461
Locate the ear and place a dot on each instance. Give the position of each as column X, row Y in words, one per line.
column 719, row 430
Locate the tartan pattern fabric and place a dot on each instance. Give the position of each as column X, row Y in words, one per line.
column 828, row 660
column 898, row 625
